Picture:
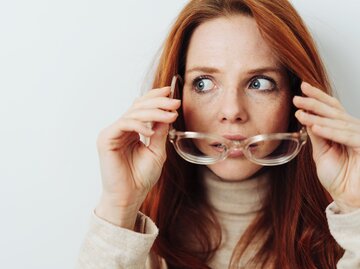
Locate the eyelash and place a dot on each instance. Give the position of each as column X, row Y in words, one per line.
column 197, row 79
column 273, row 82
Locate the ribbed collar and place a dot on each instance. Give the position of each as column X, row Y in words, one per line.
column 235, row 198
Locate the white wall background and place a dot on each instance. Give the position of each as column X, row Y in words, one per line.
column 69, row 68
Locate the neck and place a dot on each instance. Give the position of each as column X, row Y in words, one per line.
column 236, row 205
column 236, row 197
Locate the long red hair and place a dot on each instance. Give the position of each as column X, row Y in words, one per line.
column 292, row 224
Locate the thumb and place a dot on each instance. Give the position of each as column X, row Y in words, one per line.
column 319, row 144
column 158, row 139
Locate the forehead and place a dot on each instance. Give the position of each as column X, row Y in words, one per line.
column 229, row 42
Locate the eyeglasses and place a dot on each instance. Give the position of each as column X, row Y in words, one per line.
column 264, row 149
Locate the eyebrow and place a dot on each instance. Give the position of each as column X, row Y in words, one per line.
column 204, row 69
column 212, row 70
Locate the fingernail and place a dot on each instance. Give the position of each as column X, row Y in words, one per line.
column 298, row 113
column 305, row 84
column 297, row 99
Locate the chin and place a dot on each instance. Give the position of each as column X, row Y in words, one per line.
column 235, row 169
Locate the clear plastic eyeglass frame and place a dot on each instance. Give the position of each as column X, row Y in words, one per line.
column 261, row 149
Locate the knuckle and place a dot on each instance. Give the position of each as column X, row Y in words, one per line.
column 304, row 115
column 136, row 101
column 346, row 125
column 350, row 136
column 312, row 104
column 337, row 114
column 104, row 137
column 165, row 101
column 335, row 101
column 101, row 138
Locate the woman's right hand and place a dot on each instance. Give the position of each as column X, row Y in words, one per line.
column 129, row 169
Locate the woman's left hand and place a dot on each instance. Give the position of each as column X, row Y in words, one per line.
column 335, row 137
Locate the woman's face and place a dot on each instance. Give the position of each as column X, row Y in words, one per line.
column 234, row 87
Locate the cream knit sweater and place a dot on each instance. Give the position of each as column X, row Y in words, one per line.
column 107, row 246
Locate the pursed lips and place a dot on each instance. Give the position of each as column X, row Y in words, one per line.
column 235, row 152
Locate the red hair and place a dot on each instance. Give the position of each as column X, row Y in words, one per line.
column 292, row 224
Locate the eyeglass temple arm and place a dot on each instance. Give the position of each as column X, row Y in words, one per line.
column 172, row 92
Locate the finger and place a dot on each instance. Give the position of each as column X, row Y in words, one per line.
column 165, row 91
column 320, row 95
column 123, row 125
column 121, row 134
column 345, row 137
column 158, row 141
column 311, row 119
column 164, row 103
column 319, row 108
column 152, row 115
column 319, row 144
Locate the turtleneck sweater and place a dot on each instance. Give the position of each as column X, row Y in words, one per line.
column 235, row 204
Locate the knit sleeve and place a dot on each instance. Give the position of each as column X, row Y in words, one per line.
column 107, row 246
column 345, row 228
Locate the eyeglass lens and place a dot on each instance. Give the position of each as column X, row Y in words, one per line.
column 267, row 149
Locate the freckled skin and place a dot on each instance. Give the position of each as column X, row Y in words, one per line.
column 234, row 46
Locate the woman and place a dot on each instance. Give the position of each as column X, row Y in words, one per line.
column 249, row 67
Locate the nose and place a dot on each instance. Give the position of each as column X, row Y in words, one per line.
column 233, row 107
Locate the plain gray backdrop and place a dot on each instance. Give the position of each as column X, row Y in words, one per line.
column 70, row 68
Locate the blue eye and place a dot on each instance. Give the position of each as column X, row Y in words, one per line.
column 262, row 84
column 203, row 84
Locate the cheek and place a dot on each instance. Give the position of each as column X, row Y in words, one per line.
column 197, row 116
column 275, row 118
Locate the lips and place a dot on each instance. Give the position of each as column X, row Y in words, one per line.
column 235, row 152
column 234, row 137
